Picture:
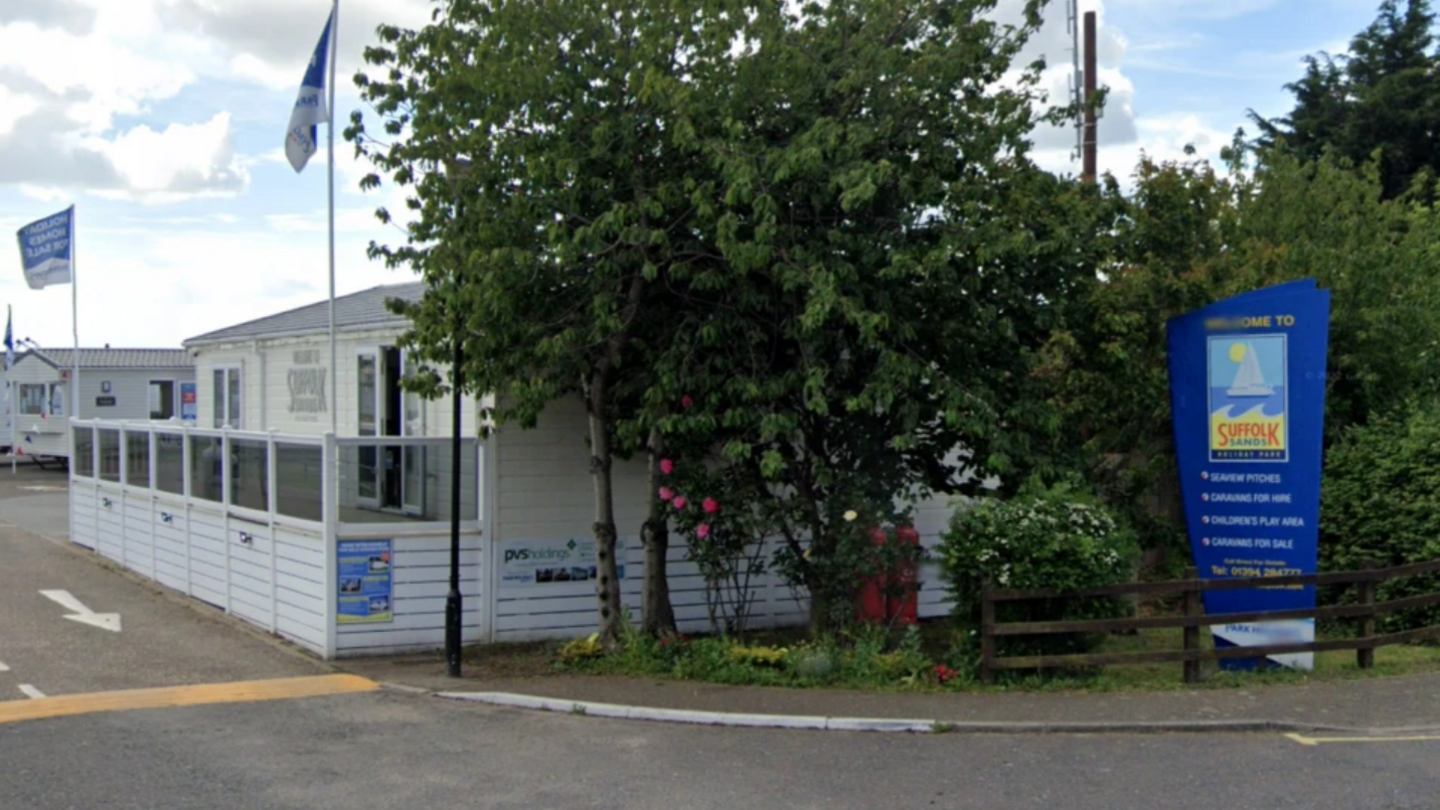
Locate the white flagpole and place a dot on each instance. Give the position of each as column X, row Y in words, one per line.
column 330, row 168
column 75, row 320
column 9, row 386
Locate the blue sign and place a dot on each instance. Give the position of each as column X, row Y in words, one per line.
column 1247, row 390
column 365, row 581
column 46, row 249
column 189, row 403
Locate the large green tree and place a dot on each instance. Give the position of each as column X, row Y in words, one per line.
column 890, row 259
column 816, row 225
column 1381, row 99
column 543, row 144
column 1189, row 237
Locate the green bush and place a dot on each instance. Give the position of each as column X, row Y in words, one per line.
column 1054, row 539
column 1381, row 503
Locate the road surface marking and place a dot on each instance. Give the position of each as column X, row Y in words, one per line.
column 31, row 692
column 84, row 615
column 1303, row 740
column 4, row 668
column 168, row 697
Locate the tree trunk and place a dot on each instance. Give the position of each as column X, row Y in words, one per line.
column 659, row 615
column 607, row 584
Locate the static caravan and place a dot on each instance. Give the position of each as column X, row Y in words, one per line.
column 340, row 541
column 121, row 384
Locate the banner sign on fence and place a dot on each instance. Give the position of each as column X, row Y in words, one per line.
column 366, row 582
column 1247, row 390
column 543, row 562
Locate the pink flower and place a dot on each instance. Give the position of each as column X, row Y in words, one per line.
column 667, row 466
column 711, row 506
column 686, row 402
column 666, row 494
column 702, row 531
column 680, row 502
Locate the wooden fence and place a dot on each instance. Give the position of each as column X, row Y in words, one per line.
column 1192, row 618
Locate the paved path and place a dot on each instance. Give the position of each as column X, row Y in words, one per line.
column 384, row 749
column 164, row 640
column 406, row 751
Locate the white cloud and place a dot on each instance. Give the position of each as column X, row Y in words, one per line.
column 13, row 107
column 181, row 161
column 45, row 194
column 253, row 68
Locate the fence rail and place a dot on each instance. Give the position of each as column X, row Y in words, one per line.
column 1193, row 617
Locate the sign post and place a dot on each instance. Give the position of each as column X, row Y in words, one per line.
column 1247, row 389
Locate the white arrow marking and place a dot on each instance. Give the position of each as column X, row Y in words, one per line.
column 4, row 668
column 31, row 692
column 82, row 614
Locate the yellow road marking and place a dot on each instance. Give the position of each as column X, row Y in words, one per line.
column 172, row 696
column 1303, row 740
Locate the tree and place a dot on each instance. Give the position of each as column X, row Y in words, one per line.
column 576, row 200
column 1190, row 237
column 890, row 257
column 1380, row 100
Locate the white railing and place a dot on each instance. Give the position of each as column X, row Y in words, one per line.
column 252, row 523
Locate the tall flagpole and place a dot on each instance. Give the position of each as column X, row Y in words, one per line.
column 75, row 321
column 9, row 386
column 330, row 168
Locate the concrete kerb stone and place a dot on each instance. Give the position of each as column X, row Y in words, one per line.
column 879, row 724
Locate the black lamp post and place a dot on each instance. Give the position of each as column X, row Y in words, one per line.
column 454, row 603
column 453, row 600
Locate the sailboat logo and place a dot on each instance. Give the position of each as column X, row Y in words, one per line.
column 1249, row 379
column 1247, row 389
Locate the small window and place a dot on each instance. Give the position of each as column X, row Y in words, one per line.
column 162, row 399
column 57, row 399
column 32, row 399
column 226, row 397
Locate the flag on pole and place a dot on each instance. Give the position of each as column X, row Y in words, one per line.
column 9, row 340
column 46, row 249
column 310, row 106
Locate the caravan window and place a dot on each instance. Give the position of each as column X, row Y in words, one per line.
column 225, row 396
column 162, row 399
column 32, row 399
column 57, row 399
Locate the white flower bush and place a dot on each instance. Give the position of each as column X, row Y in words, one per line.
column 1043, row 539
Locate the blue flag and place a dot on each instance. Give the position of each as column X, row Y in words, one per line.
column 46, row 249
column 310, row 106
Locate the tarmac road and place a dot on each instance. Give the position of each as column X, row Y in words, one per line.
column 387, row 749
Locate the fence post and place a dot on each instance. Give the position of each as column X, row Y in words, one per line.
column 1365, row 658
column 1192, row 607
column 987, row 634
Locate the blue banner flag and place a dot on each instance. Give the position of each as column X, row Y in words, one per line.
column 311, row 108
column 1247, row 391
column 46, row 249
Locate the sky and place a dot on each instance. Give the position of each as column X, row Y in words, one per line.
column 163, row 122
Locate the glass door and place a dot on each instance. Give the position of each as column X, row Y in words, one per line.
column 412, row 464
column 369, row 390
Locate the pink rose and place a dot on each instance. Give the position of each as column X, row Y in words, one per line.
column 686, row 402
column 666, row 494
column 702, row 531
column 711, row 506
column 667, row 466
column 680, row 502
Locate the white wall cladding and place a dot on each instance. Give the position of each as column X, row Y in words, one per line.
column 280, row 573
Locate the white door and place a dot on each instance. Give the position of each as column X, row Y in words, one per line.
column 412, row 480
column 370, row 415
